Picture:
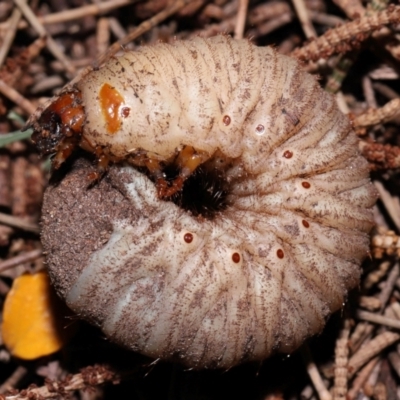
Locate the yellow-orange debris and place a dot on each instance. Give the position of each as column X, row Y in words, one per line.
column 33, row 318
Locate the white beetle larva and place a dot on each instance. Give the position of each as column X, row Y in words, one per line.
column 240, row 218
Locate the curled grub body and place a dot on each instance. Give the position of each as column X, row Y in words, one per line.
column 268, row 212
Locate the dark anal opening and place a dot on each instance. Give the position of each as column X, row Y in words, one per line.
column 204, row 193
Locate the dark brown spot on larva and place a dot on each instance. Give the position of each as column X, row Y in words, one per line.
column 188, row 238
column 306, row 185
column 280, row 253
column 236, row 257
column 288, row 154
column 226, row 120
column 305, row 223
column 292, row 117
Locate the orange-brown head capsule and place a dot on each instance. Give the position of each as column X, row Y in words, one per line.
column 60, row 125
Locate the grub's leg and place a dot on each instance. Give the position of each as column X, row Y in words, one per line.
column 155, row 168
column 102, row 165
column 86, row 145
column 64, row 150
column 165, row 189
column 187, row 161
column 102, row 160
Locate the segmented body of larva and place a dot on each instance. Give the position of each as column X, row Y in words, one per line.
column 258, row 220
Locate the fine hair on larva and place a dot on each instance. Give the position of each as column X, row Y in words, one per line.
column 234, row 210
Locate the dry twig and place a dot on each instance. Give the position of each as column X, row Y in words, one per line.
column 17, row 98
column 314, row 374
column 88, row 377
column 377, row 116
column 51, row 44
column 378, row 319
column 361, row 378
column 20, row 259
column 371, row 349
column 381, row 156
column 13, row 380
column 348, row 36
column 370, row 303
column 9, row 35
column 304, row 17
column 19, row 223
column 339, row 390
column 391, row 203
column 241, row 19
column 385, row 242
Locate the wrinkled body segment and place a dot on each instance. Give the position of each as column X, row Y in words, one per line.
column 276, row 241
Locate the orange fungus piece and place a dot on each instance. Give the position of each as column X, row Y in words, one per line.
column 110, row 104
column 34, row 323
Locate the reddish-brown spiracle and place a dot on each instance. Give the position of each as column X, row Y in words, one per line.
column 267, row 218
column 236, row 257
column 188, row 238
